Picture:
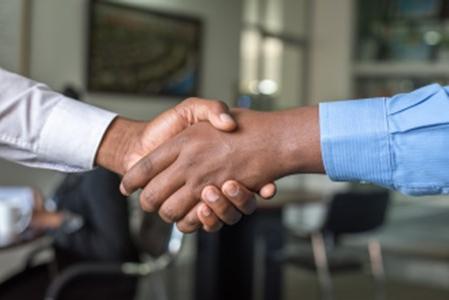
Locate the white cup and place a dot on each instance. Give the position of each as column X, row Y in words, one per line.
column 16, row 209
column 13, row 219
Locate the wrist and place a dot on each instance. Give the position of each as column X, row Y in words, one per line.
column 277, row 144
column 119, row 140
column 297, row 136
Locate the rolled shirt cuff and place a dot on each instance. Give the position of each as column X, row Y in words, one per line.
column 355, row 142
column 72, row 134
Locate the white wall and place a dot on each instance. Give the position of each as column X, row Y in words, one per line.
column 58, row 57
column 330, row 78
column 332, row 39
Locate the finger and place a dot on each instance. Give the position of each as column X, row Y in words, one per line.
column 268, row 191
column 190, row 222
column 211, row 223
column 178, row 205
column 220, row 205
column 148, row 167
column 163, row 187
column 194, row 110
column 242, row 198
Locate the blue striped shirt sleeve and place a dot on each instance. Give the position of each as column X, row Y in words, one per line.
column 400, row 142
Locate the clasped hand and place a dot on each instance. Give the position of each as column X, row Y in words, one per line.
column 188, row 163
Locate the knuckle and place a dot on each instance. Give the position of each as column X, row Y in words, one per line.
column 147, row 165
column 225, row 209
column 184, row 109
column 195, row 185
column 182, row 227
column 220, row 105
column 239, row 200
column 216, row 227
column 209, row 229
column 144, row 205
column 148, row 202
column 185, row 227
column 229, row 215
column 189, row 100
column 214, row 224
column 245, row 201
column 249, row 208
column 235, row 219
column 191, row 220
column 169, row 214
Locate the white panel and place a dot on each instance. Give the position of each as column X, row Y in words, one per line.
column 10, row 34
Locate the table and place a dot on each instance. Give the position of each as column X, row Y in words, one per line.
column 235, row 262
column 25, row 237
column 29, row 198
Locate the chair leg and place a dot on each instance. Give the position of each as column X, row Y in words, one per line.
column 159, row 287
column 377, row 268
column 322, row 265
column 153, row 286
column 259, row 268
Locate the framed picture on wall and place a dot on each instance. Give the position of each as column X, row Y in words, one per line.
column 138, row 51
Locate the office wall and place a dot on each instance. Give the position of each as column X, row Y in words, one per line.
column 330, row 79
column 331, row 50
column 58, row 32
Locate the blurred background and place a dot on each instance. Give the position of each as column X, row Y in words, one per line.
column 316, row 239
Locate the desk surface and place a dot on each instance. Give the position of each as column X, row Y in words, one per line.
column 26, row 237
column 283, row 198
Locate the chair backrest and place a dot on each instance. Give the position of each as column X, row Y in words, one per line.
column 354, row 212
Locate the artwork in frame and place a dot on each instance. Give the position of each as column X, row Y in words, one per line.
column 142, row 52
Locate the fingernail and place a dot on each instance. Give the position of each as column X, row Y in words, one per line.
column 226, row 118
column 123, row 190
column 206, row 211
column 211, row 196
column 232, row 190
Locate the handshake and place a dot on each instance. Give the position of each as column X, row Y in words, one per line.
column 200, row 164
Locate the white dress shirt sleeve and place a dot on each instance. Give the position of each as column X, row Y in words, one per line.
column 44, row 129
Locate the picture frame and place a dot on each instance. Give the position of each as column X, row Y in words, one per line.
column 141, row 51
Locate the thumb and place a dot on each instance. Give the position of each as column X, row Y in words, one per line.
column 268, row 191
column 214, row 111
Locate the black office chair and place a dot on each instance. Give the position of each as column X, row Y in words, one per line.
column 161, row 243
column 158, row 243
column 347, row 213
column 27, row 284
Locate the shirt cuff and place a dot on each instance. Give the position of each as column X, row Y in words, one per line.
column 72, row 134
column 355, row 142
